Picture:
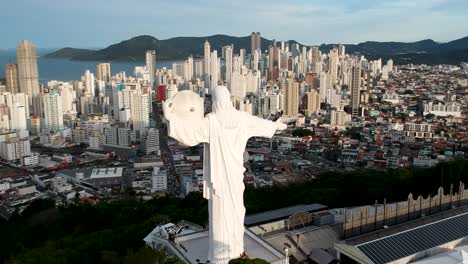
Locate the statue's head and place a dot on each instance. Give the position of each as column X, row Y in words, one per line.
column 221, row 99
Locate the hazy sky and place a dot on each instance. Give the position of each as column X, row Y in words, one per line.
column 98, row 23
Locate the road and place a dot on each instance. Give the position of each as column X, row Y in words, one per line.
column 173, row 180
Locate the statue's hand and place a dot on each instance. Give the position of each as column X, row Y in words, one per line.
column 280, row 125
column 166, row 105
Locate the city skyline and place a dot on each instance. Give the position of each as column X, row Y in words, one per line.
column 309, row 22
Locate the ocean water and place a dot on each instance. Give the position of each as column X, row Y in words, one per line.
column 66, row 70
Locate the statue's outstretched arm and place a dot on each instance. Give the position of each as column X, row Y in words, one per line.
column 258, row 127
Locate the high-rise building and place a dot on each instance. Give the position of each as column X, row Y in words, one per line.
column 103, row 72
column 274, row 61
column 89, row 83
column 207, row 63
column 255, row 42
column 339, row 117
column 228, row 53
column 255, row 60
column 214, row 70
column 139, row 107
column 341, row 50
column 241, row 56
column 355, row 87
column 333, row 67
column 53, row 112
column 151, row 141
column 390, row 65
column 315, row 59
column 198, row 69
column 313, row 102
column 28, row 76
column 151, row 64
column 323, row 86
column 18, row 117
column 291, row 98
column 15, row 149
column 11, row 77
column 188, row 69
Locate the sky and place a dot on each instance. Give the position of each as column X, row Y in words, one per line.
column 99, row 23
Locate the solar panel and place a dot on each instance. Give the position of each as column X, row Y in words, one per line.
column 415, row 240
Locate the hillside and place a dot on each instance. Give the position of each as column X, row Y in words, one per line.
column 70, row 53
column 427, row 51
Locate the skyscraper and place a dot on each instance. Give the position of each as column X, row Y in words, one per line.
column 139, row 107
column 12, row 78
column 214, row 70
column 315, row 59
column 341, row 50
column 241, row 56
column 207, row 63
column 333, row 67
column 188, row 69
column 274, row 61
column 255, row 42
column 228, row 52
column 313, row 102
column 151, row 64
column 323, row 86
column 88, row 80
column 103, row 72
column 53, row 112
column 291, row 98
column 27, row 72
column 355, row 87
column 255, row 60
column 18, row 117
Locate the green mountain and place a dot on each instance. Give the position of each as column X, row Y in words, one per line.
column 425, row 51
column 70, row 53
column 169, row 49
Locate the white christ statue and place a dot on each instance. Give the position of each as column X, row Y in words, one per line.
column 225, row 132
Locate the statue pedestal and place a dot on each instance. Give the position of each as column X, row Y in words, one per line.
column 191, row 245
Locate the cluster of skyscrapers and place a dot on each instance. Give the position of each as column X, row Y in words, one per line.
column 114, row 109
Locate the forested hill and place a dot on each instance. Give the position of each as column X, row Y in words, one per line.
column 425, row 51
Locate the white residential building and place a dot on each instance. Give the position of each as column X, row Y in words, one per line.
column 53, row 112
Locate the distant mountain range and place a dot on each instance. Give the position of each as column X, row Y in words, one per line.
column 425, row 51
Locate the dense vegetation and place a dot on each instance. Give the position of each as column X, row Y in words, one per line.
column 102, row 233
column 112, row 232
column 424, row 51
column 359, row 187
column 301, row 132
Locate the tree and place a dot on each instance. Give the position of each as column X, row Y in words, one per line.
column 301, row 132
column 145, row 255
column 173, row 261
column 429, row 116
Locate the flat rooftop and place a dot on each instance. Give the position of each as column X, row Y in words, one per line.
column 106, row 172
column 283, row 213
column 195, row 246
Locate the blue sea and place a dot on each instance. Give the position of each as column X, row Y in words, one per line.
column 66, row 70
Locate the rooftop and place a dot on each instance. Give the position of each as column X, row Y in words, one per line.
column 283, row 213
column 408, row 239
column 106, row 172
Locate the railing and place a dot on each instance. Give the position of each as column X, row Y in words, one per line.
column 361, row 221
